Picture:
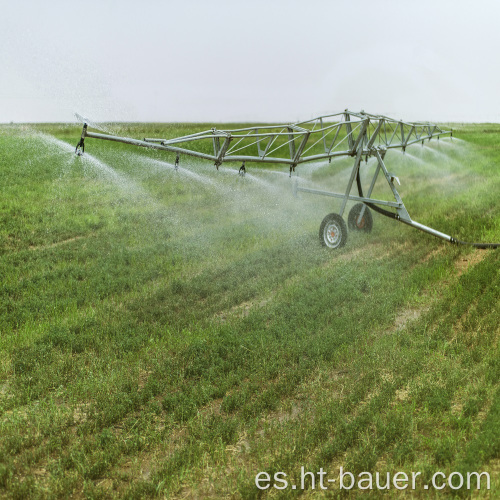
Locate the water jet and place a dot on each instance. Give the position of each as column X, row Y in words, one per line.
column 347, row 134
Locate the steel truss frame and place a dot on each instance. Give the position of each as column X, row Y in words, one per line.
column 359, row 135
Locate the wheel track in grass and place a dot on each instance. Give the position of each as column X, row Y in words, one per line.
column 409, row 316
column 439, row 359
column 18, row 408
column 401, row 394
column 245, row 308
column 298, row 413
column 370, row 396
column 461, row 268
column 59, row 243
column 461, row 265
column 403, row 317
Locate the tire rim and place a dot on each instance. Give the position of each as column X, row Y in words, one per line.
column 332, row 235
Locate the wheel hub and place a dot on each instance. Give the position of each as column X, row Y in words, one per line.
column 333, row 234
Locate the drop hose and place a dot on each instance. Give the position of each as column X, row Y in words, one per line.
column 395, row 216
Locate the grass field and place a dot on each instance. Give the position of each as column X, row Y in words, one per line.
column 175, row 333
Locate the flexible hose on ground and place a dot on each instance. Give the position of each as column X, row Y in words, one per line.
column 483, row 246
column 393, row 215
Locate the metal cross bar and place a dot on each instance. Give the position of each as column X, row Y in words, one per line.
column 350, row 197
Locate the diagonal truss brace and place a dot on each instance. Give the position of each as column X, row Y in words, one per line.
column 291, row 144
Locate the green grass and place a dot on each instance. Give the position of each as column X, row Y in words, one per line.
column 167, row 335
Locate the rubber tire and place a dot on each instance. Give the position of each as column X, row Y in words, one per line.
column 366, row 222
column 339, row 237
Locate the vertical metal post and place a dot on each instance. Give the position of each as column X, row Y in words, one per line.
column 349, row 130
column 291, row 143
column 368, row 194
column 405, row 143
column 323, row 134
column 259, row 149
column 334, row 138
column 360, row 140
column 216, row 144
column 225, row 146
column 356, row 165
column 349, row 185
column 375, row 134
column 369, row 146
column 301, row 147
column 270, row 142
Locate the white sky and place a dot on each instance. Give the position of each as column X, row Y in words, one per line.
column 272, row 60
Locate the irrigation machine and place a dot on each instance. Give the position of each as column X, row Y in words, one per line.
column 358, row 135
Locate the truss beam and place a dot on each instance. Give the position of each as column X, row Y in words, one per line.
column 296, row 143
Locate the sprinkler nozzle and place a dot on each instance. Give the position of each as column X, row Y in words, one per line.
column 242, row 171
column 176, row 166
column 80, row 147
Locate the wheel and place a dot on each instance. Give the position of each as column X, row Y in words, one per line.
column 366, row 222
column 333, row 231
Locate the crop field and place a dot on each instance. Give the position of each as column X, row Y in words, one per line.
column 175, row 333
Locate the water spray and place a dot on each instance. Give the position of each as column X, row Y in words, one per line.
column 347, row 134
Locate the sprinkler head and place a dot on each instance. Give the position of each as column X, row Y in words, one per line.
column 80, row 147
column 242, row 171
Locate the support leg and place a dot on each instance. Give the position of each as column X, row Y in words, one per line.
column 372, row 185
column 402, row 212
column 349, row 184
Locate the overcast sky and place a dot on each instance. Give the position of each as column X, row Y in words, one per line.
column 272, row 60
